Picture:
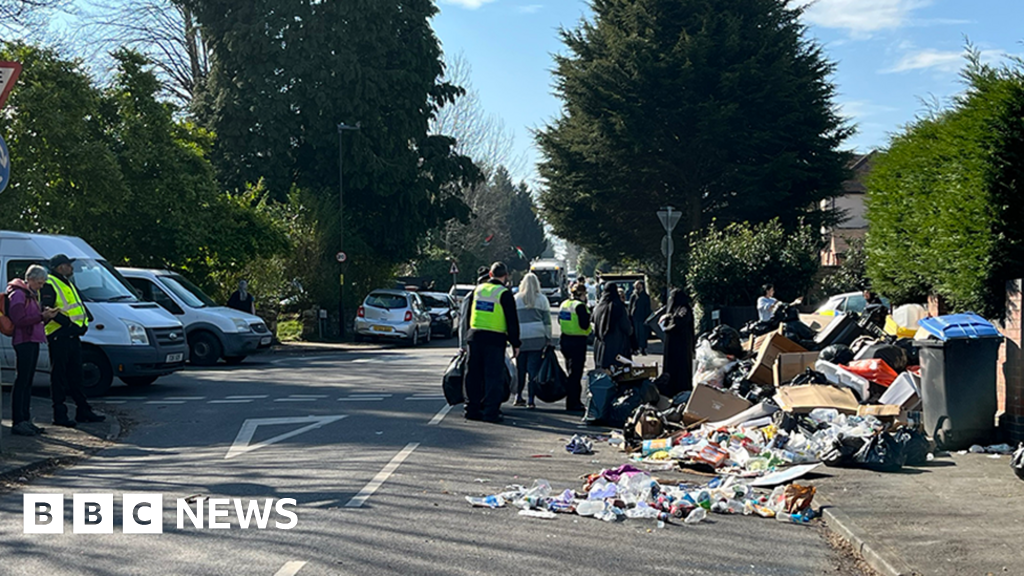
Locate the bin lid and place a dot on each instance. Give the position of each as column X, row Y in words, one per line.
column 955, row 326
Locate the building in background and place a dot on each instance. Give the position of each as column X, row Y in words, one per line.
column 852, row 207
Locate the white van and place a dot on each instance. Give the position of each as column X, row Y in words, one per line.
column 213, row 332
column 136, row 341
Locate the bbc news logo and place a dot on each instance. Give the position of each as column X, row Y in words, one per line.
column 144, row 513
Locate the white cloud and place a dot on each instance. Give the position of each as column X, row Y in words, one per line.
column 469, row 4
column 862, row 17
column 529, row 8
column 858, row 109
column 939, row 60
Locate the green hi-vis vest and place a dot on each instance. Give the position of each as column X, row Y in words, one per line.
column 569, row 321
column 487, row 313
column 69, row 302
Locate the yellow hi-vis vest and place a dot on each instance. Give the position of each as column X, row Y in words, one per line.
column 569, row 321
column 69, row 302
column 487, row 313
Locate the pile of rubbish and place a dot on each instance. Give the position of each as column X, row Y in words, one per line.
column 627, row 492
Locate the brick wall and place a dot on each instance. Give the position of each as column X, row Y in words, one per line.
column 1010, row 375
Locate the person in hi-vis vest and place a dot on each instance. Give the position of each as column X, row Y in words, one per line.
column 63, row 334
column 574, row 322
column 492, row 325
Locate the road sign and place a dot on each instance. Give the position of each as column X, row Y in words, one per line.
column 669, row 217
column 5, row 165
column 668, row 247
column 454, row 270
column 9, row 72
column 341, row 257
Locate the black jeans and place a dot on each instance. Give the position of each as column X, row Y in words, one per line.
column 26, row 358
column 527, row 367
column 66, row 376
column 574, row 349
column 485, row 380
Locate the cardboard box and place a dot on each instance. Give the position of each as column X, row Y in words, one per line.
column 712, row 405
column 803, row 399
column 790, row 365
column 879, row 411
column 768, row 350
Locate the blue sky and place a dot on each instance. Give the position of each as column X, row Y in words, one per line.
column 891, row 55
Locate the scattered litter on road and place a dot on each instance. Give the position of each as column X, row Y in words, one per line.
column 580, row 445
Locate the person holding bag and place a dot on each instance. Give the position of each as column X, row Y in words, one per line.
column 534, row 312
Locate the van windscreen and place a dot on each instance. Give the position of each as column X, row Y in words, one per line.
column 98, row 281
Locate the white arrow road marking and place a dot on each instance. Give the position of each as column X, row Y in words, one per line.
column 382, row 476
column 290, row 568
column 241, row 444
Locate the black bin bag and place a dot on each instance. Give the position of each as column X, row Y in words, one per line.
column 549, row 385
column 453, row 382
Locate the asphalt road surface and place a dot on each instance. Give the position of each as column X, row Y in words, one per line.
column 379, row 468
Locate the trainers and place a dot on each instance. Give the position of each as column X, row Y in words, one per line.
column 67, row 423
column 23, row 429
column 89, row 417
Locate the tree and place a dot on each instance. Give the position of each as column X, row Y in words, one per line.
column 525, row 228
column 851, row 274
column 728, row 266
column 721, row 108
column 945, row 200
column 16, row 15
column 285, row 73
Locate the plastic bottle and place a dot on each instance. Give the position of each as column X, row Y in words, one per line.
column 696, row 516
column 590, row 507
column 704, row 500
column 642, row 510
column 486, row 502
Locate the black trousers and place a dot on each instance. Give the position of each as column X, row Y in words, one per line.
column 26, row 357
column 485, row 380
column 66, row 376
column 574, row 349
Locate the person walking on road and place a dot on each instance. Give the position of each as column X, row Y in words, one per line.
column 493, row 324
column 242, row 300
column 612, row 328
column 534, row 312
column 574, row 322
column 677, row 357
column 639, row 310
column 63, row 333
column 28, row 317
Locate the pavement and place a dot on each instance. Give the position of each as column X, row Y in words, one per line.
column 380, row 469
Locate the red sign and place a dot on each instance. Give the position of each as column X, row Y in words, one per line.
column 9, row 72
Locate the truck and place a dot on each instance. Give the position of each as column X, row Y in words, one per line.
column 554, row 279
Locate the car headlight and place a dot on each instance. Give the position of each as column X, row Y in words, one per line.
column 136, row 333
column 241, row 325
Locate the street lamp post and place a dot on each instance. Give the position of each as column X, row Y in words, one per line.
column 342, row 259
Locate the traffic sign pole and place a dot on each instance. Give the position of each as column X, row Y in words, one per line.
column 669, row 217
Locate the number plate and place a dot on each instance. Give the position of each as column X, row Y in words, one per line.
column 379, row 328
column 265, row 340
column 172, row 358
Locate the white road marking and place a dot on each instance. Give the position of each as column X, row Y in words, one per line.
column 362, row 399
column 125, row 398
column 368, row 394
column 359, row 499
column 256, row 397
column 229, row 401
column 241, row 444
column 440, row 415
column 165, row 402
column 295, row 399
column 438, row 397
column 307, row 395
column 185, row 398
column 110, row 401
column 290, row 568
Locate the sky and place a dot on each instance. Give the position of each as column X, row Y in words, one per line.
column 892, row 56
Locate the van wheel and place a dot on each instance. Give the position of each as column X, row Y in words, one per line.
column 204, row 349
column 234, row 360
column 138, row 381
column 97, row 375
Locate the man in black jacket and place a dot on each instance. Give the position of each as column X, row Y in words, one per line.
column 63, row 334
column 492, row 324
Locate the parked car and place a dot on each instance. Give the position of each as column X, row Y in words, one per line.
column 137, row 342
column 843, row 303
column 460, row 291
column 444, row 313
column 212, row 331
column 393, row 314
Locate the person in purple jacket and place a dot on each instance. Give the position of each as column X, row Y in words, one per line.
column 23, row 309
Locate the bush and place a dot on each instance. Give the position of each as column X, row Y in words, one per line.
column 727, row 267
column 852, row 273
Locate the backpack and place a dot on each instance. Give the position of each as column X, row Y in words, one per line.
column 6, row 324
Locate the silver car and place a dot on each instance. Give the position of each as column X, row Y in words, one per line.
column 393, row 314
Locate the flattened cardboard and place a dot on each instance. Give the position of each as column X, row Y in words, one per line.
column 879, row 410
column 712, row 405
column 803, row 399
column 767, row 352
column 792, row 364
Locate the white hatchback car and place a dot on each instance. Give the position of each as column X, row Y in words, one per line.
column 393, row 314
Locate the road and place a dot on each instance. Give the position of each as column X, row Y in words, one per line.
column 380, row 483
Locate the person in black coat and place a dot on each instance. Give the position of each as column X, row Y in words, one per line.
column 612, row 328
column 639, row 310
column 678, row 354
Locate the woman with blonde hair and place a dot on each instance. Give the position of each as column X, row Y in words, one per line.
column 534, row 313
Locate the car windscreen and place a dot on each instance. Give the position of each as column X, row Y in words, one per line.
column 432, row 302
column 386, row 301
column 98, row 281
column 548, row 278
column 462, row 291
column 188, row 292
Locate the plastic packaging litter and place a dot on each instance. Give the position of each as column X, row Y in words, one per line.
column 580, row 445
column 543, row 514
column 493, row 501
column 696, row 516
